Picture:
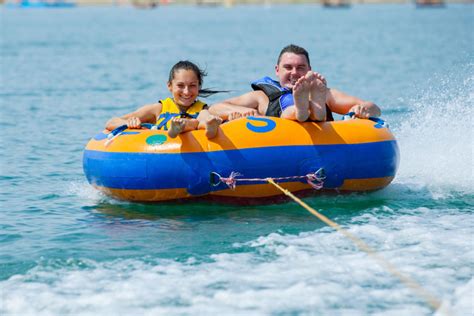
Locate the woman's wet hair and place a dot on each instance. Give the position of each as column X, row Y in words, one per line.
column 295, row 50
column 200, row 74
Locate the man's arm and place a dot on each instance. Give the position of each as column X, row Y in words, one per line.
column 251, row 103
column 342, row 103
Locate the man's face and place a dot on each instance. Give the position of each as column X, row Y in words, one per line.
column 291, row 68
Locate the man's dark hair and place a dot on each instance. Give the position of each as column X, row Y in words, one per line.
column 295, row 50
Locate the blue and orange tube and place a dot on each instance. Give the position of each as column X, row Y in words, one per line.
column 147, row 165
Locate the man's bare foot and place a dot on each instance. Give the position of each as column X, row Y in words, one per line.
column 177, row 127
column 212, row 125
column 301, row 91
column 317, row 97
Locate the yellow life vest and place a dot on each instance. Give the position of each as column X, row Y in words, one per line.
column 170, row 109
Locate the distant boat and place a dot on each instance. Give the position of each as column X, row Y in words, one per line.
column 208, row 3
column 336, row 3
column 40, row 4
column 429, row 3
column 147, row 4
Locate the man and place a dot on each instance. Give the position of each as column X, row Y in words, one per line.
column 299, row 94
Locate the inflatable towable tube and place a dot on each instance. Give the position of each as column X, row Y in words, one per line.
column 147, row 165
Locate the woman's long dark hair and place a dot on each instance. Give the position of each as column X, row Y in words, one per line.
column 200, row 74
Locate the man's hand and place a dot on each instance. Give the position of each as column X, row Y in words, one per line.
column 361, row 111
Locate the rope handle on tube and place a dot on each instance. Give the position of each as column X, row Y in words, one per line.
column 380, row 123
column 119, row 131
column 315, row 179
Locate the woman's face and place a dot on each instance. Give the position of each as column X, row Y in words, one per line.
column 184, row 87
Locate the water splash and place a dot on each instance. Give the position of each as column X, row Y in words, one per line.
column 436, row 138
column 84, row 191
column 277, row 273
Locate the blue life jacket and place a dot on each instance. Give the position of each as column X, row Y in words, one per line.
column 279, row 98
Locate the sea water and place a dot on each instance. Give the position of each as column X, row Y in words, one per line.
column 66, row 249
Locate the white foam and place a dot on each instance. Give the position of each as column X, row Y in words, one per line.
column 436, row 138
column 84, row 190
column 312, row 271
column 462, row 301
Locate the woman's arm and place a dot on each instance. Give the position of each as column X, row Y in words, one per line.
column 146, row 114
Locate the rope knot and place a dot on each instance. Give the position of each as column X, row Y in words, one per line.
column 316, row 180
column 230, row 181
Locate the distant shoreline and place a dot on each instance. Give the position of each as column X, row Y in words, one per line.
column 230, row 3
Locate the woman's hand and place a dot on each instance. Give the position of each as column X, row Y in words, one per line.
column 243, row 113
column 134, row 123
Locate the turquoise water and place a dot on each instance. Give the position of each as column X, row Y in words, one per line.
column 65, row 249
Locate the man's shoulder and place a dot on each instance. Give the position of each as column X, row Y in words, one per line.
column 265, row 81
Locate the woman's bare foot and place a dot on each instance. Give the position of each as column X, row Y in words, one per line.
column 301, row 91
column 177, row 127
column 317, row 97
column 212, row 125
column 234, row 116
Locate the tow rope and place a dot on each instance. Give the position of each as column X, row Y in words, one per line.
column 316, row 180
column 429, row 298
